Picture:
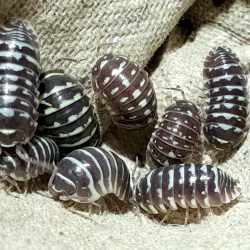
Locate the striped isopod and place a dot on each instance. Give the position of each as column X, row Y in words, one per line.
column 19, row 70
column 66, row 114
column 85, row 175
column 227, row 107
column 126, row 91
column 176, row 135
column 185, row 185
column 25, row 162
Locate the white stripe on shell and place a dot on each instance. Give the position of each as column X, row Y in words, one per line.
column 223, row 66
column 101, row 181
column 216, row 179
column 14, row 43
column 192, row 181
column 56, row 89
column 67, row 180
column 83, row 140
column 46, row 156
column 148, row 191
column 70, row 118
column 94, row 194
column 64, row 104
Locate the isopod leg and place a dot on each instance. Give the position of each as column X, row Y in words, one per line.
column 221, row 210
column 137, row 164
column 12, row 182
column 50, row 185
column 114, row 203
column 25, row 188
column 177, row 88
column 199, row 213
column 186, row 216
column 165, row 218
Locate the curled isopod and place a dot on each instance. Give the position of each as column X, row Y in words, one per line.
column 25, row 162
column 19, row 71
column 176, row 135
column 227, row 105
column 66, row 115
column 126, row 91
column 185, row 185
column 85, row 175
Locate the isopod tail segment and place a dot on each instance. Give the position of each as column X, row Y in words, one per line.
column 227, row 107
column 88, row 174
column 186, row 186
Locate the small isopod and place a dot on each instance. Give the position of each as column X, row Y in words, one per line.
column 185, row 185
column 66, row 115
column 85, row 175
column 19, row 71
column 126, row 91
column 176, row 135
column 227, row 107
column 25, row 162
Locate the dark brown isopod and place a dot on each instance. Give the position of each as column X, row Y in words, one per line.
column 126, row 91
column 185, row 185
column 19, row 71
column 176, row 135
column 28, row 161
column 66, row 114
column 227, row 105
column 85, row 175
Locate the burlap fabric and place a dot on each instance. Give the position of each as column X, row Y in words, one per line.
column 73, row 34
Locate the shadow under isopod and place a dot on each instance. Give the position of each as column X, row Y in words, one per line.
column 131, row 143
column 39, row 183
column 109, row 203
column 177, row 217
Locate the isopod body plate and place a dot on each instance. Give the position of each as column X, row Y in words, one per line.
column 185, row 185
column 176, row 135
column 24, row 162
column 227, row 105
column 19, row 71
column 66, row 115
column 126, row 91
column 87, row 174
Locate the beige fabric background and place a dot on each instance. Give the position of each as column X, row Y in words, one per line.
column 74, row 29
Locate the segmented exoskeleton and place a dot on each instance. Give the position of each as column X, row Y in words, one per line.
column 185, row 185
column 126, row 91
column 25, row 162
column 227, row 106
column 66, row 114
column 19, row 71
column 85, row 175
column 176, row 135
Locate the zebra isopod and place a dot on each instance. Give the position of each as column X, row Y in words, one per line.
column 126, row 91
column 25, row 162
column 227, row 106
column 66, row 114
column 176, row 135
column 185, row 185
column 19, row 71
column 85, row 175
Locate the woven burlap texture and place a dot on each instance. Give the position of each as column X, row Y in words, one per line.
column 73, row 34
